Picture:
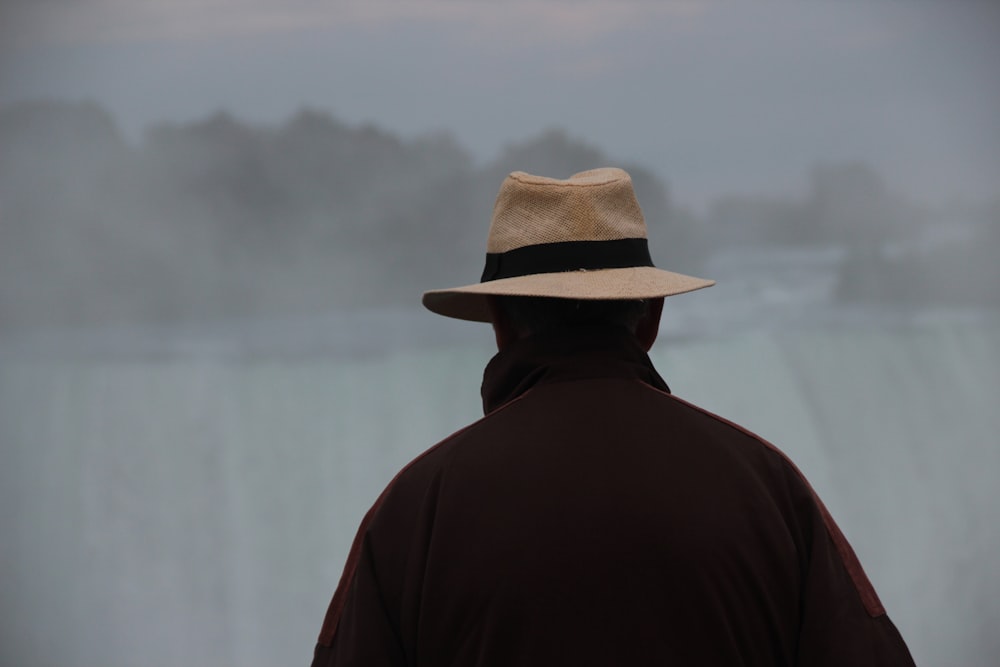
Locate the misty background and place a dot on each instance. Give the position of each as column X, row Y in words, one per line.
column 216, row 223
column 218, row 219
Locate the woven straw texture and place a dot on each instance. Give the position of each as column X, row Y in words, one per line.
column 595, row 205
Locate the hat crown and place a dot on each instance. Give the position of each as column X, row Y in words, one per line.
column 594, row 205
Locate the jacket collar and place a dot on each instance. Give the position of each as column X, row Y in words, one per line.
column 568, row 354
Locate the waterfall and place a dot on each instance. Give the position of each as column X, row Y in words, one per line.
column 197, row 510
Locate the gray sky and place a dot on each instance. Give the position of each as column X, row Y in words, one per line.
column 717, row 97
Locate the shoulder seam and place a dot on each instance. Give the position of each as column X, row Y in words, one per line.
column 862, row 584
column 336, row 607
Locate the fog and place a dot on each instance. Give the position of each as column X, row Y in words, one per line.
column 214, row 235
column 212, row 361
column 219, row 219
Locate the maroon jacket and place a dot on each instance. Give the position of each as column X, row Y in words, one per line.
column 591, row 518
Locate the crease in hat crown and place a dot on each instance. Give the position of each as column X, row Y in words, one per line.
column 583, row 237
column 593, row 205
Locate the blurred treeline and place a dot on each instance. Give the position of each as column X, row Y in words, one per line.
column 219, row 219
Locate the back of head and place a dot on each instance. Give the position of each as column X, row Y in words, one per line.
column 529, row 315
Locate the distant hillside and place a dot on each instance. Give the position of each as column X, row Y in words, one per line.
column 219, row 219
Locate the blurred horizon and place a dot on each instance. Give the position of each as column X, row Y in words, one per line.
column 221, row 219
column 217, row 218
column 713, row 97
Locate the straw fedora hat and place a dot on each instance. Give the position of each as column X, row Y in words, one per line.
column 579, row 238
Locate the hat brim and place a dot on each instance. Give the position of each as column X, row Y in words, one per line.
column 469, row 302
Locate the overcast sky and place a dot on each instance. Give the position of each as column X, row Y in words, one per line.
column 715, row 96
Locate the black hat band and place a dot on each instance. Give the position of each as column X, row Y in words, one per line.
column 565, row 256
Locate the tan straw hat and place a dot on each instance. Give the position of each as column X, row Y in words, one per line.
column 579, row 238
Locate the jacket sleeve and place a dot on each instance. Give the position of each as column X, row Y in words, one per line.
column 358, row 629
column 842, row 620
column 362, row 624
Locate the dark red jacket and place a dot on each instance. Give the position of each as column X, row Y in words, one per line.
column 591, row 518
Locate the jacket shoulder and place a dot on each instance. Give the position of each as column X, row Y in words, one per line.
column 796, row 478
